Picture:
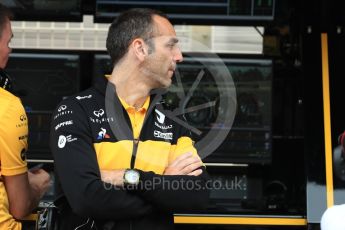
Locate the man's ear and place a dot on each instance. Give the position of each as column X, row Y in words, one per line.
column 140, row 48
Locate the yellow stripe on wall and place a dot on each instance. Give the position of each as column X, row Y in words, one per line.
column 327, row 120
column 239, row 220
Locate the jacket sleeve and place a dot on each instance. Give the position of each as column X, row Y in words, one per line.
column 177, row 193
column 77, row 169
column 174, row 193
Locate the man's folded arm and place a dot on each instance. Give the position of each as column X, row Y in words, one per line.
column 79, row 175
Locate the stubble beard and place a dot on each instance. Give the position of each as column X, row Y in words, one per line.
column 158, row 78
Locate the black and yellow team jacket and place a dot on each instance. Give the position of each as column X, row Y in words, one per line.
column 92, row 131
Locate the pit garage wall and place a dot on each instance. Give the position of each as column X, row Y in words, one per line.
column 322, row 26
column 336, row 44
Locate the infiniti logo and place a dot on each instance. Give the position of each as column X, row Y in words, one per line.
column 62, row 107
column 22, row 117
column 99, row 113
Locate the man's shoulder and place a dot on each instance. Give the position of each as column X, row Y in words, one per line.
column 9, row 102
column 84, row 101
column 83, row 97
column 7, row 97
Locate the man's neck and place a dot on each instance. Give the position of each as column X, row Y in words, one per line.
column 130, row 86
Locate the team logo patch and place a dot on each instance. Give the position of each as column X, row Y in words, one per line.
column 63, row 140
column 22, row 117
column 98, row 113
column 166, row 136
column 163, row 126
column 62, row 111
column 23, row 137
column 23, row 121
column 160, row 116
column 62, row 124
column 62, row 108
column 83, row 97
column 23, row 155
column 102, row 134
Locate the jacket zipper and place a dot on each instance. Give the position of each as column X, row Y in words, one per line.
column 134, row 152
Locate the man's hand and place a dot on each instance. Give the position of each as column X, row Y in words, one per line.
column 114, row 177
column 25, row 190
column 39, row 181
column 186, row 164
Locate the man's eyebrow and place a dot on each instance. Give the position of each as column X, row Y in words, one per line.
column 173, row 40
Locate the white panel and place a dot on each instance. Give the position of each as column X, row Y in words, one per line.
column 91, row 36
column 233, row 39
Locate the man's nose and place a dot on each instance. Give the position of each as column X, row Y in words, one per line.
column 178, row 55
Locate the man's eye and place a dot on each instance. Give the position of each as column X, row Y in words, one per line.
column 171, row 45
